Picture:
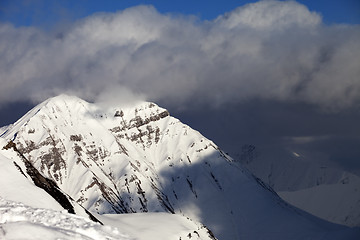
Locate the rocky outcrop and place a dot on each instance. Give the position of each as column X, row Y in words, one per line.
column 42, row 182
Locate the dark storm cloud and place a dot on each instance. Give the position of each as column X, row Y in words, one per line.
column 267, row 50
column 280, row 129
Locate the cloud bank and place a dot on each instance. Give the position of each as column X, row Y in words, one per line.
column 265, row 50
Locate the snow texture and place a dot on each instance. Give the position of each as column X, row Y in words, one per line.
column 165, row 226
column 19, row 221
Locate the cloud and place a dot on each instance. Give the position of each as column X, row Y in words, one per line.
column 117, row 95
column 265, row 50
column 271, row 15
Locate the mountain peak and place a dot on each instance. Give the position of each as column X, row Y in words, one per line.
column 64, row 97
column 140, row 108
column 64, row 107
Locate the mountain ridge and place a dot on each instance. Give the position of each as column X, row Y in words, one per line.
column 140, row 159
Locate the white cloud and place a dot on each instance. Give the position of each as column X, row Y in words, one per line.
column 116, row 95
column 268, row 50
column 272, row 15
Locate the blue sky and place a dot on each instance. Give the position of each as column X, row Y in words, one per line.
column 46, row 13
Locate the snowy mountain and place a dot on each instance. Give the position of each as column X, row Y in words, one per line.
column 326, row 192
column 31, row 209
column 139, row 159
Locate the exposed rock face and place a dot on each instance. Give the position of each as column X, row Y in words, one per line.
column 39, row 180
column 47, row 184
column 140, row 159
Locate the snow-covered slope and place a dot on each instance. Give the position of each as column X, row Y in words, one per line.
column 290, row 172
column 29, row 212
column 338, row 203
column 323, row 191
column 19, row 221
column 140, row 159
column 15, row 186
column 145, row 226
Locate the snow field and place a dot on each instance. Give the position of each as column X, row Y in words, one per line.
column 18, row 221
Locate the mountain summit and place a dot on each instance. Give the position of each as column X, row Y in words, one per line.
column 138, row 158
